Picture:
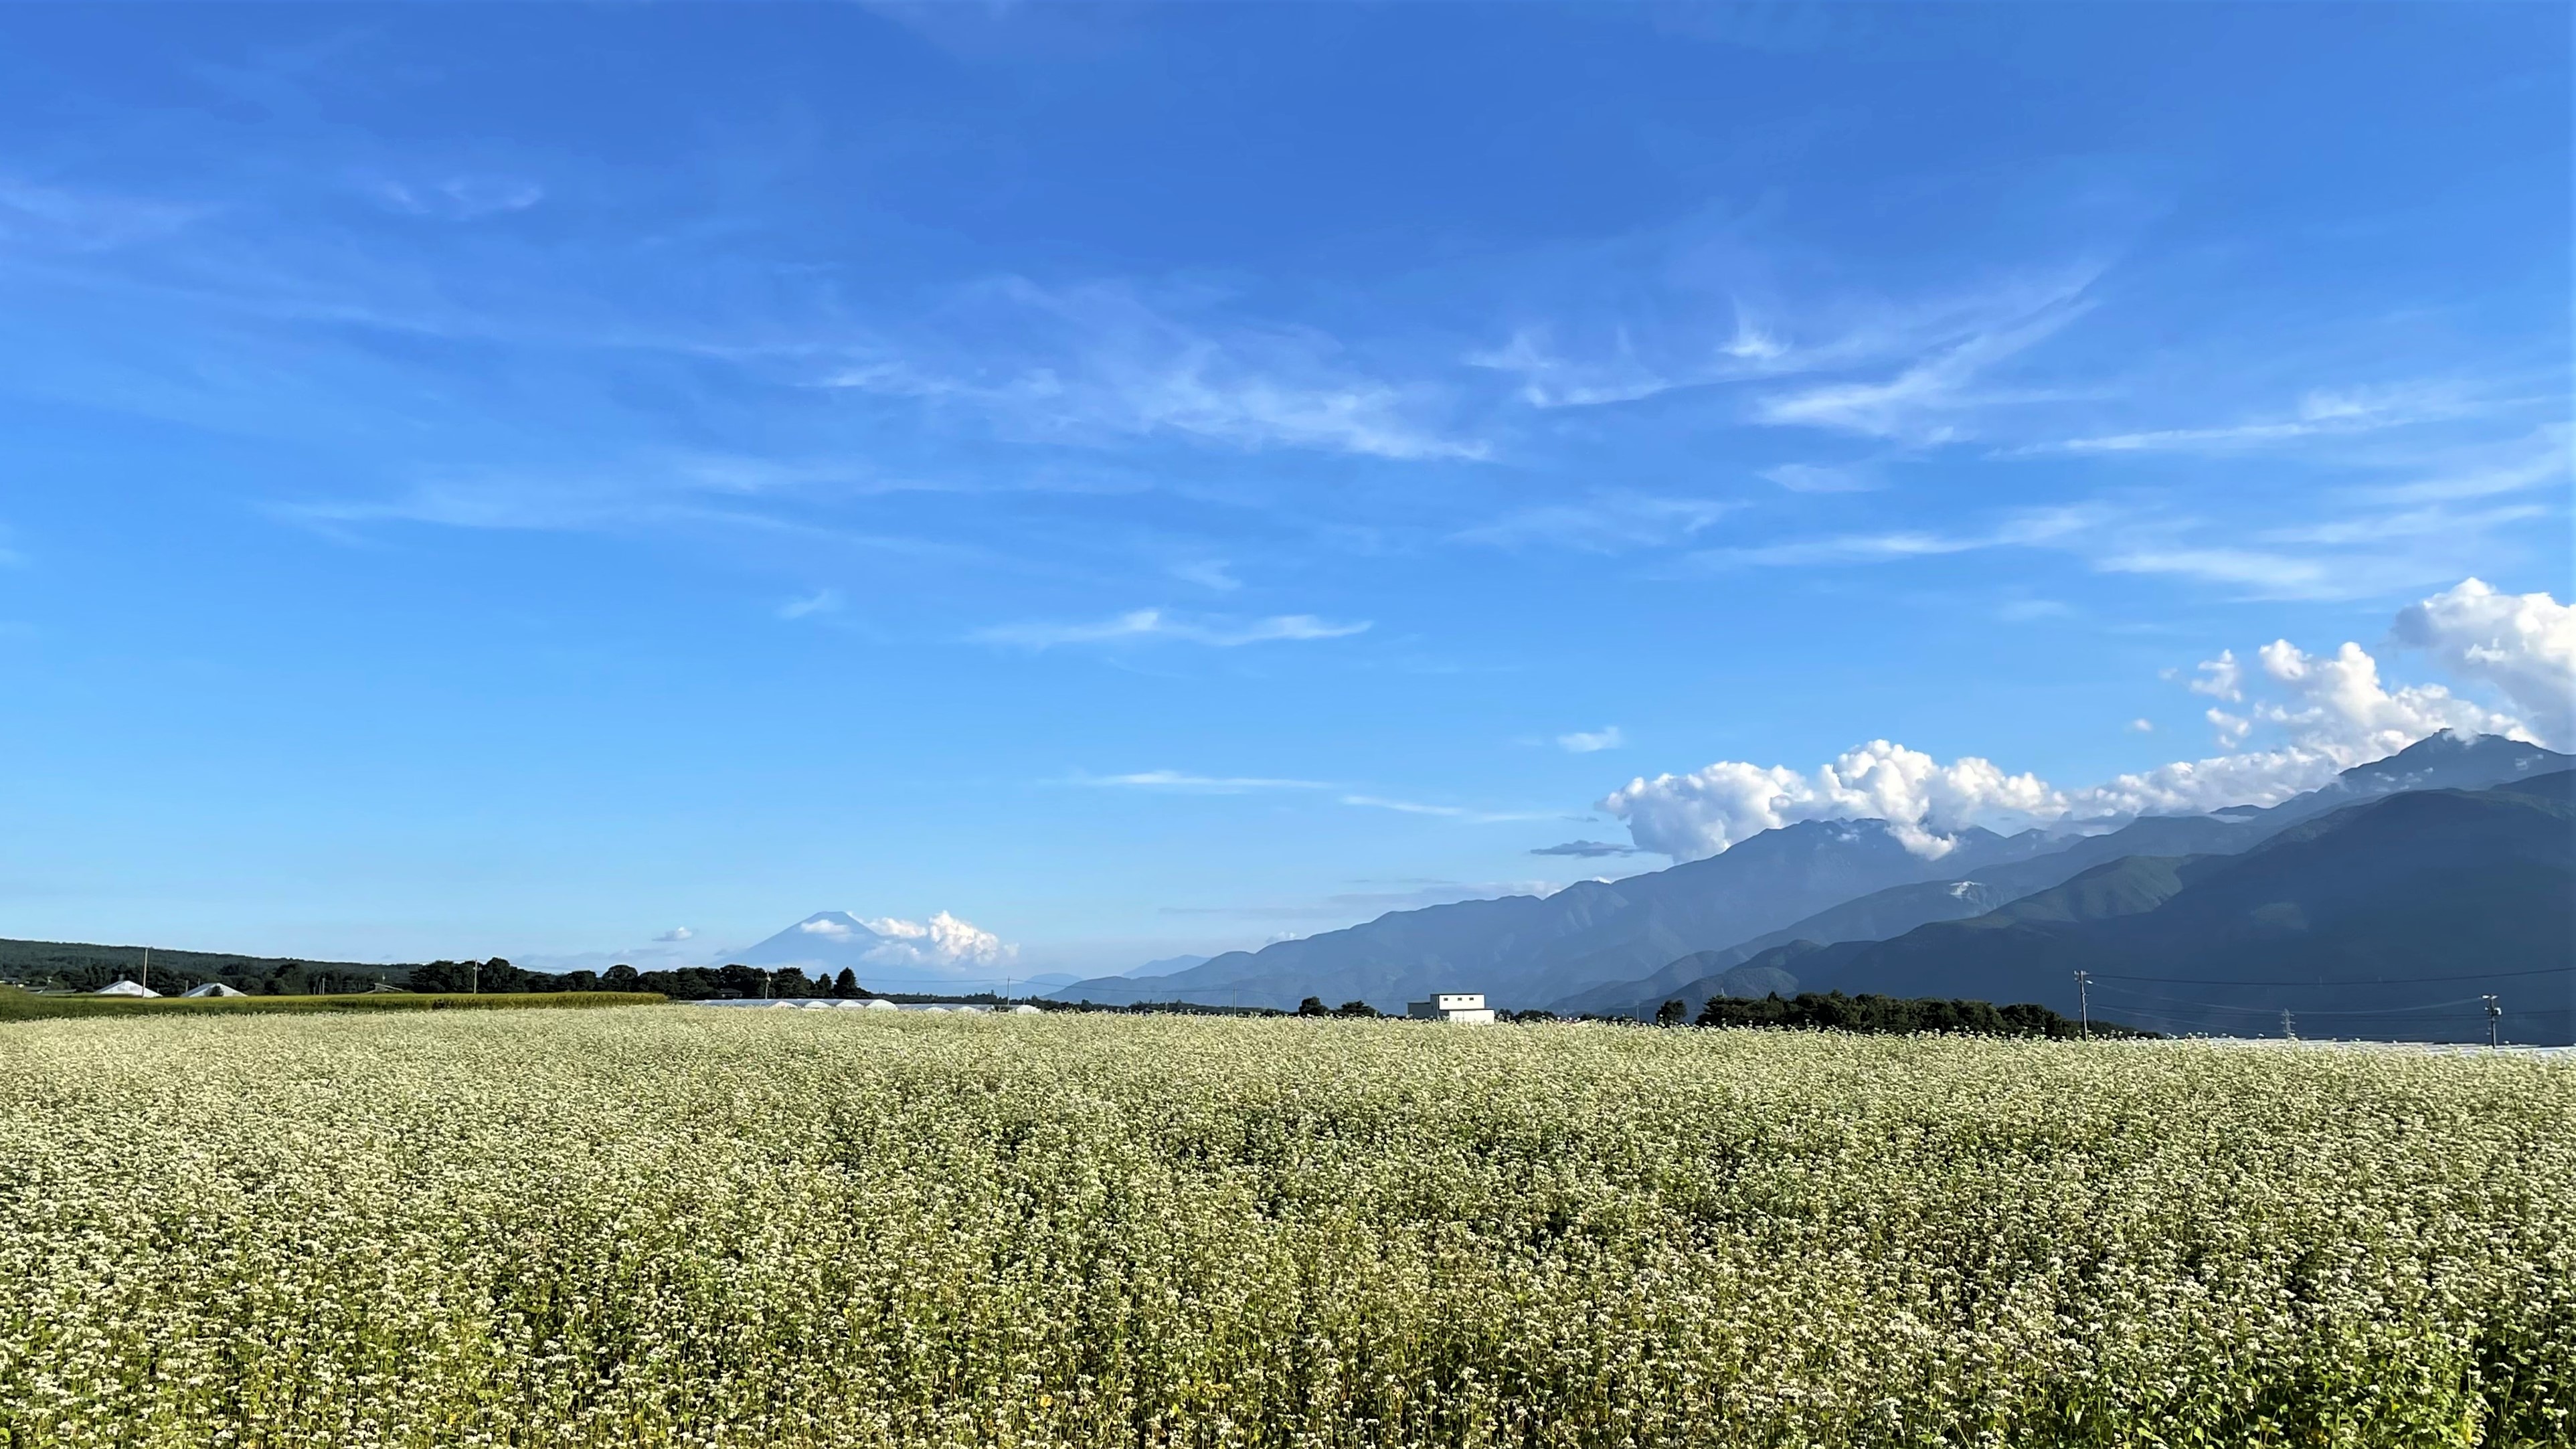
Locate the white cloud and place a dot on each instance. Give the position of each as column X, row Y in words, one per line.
column 1144, row 625
column 941, row 941
column 1445, row 812
column 84, row 221
column 1585, row 849
column 677, row 933
column 2522, row 644
column 1585, row 742
column 1208, row 574
column 1105, row 360
column 1609, row 519
column 1204, row 784
column 1816, row 478
column 1941, row 343
column 2026, row 611
column 2220, row 678
column 460, row 198
column 2358, row 555
column 2142, row 726
column 2539, row 459
column 821, row 601
column 2327, row 713
column 1549, row 380
column 1927, row 400
column 2029, row 528
column 2321, row 411
column 1704, row 812
column 2330, row 711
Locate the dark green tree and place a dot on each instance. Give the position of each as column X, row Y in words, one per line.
column 1311, row 1006
column 1359, row 1009
column 1671, row 1013
column 846, row 985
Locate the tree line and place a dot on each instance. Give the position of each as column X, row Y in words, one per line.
column 687, row 983
column 1892, row 1015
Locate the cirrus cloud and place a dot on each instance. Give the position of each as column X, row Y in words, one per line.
column 1148, row 625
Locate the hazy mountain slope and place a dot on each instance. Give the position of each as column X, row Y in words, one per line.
column 1872, row 917
column 1526, row 951
column 1529, row 951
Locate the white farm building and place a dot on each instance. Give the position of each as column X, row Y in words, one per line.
column 1459, row 1006
column 125, row 988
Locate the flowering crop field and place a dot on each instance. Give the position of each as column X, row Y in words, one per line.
column 660, row 1226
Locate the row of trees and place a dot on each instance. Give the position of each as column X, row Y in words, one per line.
column 689, row 983
column 251, row 977
column 1314, row 1006
column 1903, row 1016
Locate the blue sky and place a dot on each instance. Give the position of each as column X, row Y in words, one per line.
column 525, row 480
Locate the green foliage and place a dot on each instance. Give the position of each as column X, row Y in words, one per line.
column 1906, row 1016
column 82, row 966
column 738, row 1229
column 1671, row 1013
column 1311, row 1006
column 1357, row 1009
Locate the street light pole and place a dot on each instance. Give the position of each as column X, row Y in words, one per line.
column 2083, row 1005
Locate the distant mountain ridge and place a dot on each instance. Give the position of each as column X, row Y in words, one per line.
column 2390, row 917
column 825, row 940
column 1596, row 943
column 1518, row 949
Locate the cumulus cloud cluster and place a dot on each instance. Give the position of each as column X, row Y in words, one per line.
column 2324, row 713
column 943, row 940
column 1702, row 813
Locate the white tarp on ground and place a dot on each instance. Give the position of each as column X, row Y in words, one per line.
column 125, row 988
column 212, row 988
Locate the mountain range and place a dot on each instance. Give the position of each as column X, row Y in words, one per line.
column 2411, row 871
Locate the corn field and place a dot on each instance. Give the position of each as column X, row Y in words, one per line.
column 660, row 1226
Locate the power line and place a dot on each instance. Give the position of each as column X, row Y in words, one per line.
column 2382, row 981
column 2269, row 1010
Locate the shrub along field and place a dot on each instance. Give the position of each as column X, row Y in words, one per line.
column 714, row 1228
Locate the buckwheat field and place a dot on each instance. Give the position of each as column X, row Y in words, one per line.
column 666, row 1226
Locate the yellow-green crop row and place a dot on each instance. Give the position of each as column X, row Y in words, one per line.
column 781, row 1229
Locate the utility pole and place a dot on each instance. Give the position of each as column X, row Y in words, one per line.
column 146, row 983
column 474, row 982
column 2495, row 1020
column 2084, row 1005
column 2289, row 1030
